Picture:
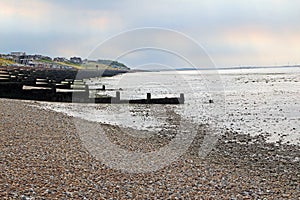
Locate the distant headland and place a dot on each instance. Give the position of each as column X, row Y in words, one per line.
column 21, row 59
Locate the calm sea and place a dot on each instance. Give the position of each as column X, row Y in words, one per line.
column 248, row 101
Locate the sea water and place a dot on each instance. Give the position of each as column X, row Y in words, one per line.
column 248, row 101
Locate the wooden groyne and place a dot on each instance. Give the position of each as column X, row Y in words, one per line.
column 62, row 86
column 29, row 75
column 148, row 100
column 83, row 96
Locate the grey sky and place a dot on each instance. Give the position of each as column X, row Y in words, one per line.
column 257, row 32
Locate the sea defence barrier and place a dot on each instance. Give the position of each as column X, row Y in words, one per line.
column 61, row 85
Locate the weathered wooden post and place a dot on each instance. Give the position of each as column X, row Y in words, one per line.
column 148, row 97
column 53, row 92
column 87, row 93
column 181, row 99
column 118, row 98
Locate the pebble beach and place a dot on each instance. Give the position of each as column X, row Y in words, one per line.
column 42, row 157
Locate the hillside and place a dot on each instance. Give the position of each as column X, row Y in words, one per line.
column 60, row 63
column 6, row 62
column 103, row 64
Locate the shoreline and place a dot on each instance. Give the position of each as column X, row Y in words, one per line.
column 42, row 156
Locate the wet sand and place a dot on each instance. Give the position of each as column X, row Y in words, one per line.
column 42, row 157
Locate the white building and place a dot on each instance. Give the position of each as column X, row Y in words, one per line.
column 18, row 53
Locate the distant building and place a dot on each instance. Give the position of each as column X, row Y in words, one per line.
column 76, row 60
column 24, row 59
column 7, row 56
column 46, row 58
column 41, row 57
column 17, row 53
column 60, row 59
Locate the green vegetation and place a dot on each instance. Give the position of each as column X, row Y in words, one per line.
column 45, row 62
column 116, row 63
column 95, row 65
column 88, row 65
column 69, row 64
column 5, row 62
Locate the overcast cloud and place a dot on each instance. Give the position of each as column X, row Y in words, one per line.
column 232, row 32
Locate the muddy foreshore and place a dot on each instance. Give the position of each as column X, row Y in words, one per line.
column 43, row 157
